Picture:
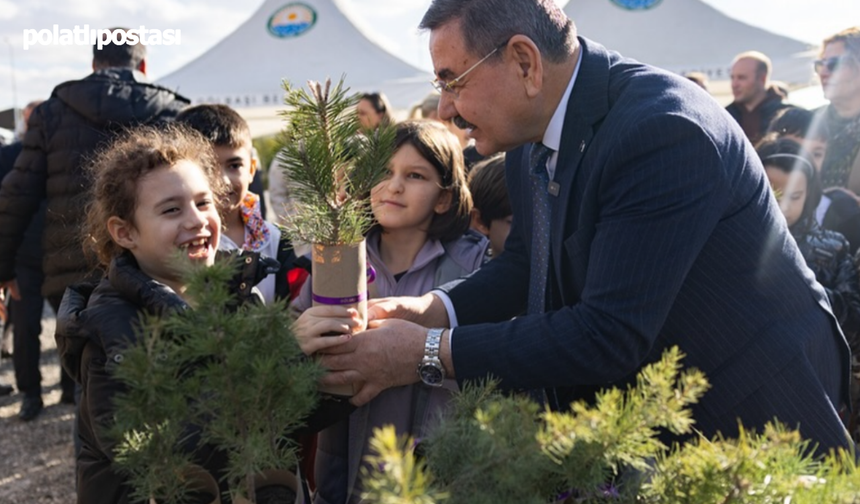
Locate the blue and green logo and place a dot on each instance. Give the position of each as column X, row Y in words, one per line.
column 292, row 20
column 636, row 5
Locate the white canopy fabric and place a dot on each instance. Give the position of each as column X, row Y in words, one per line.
column 298, row 41
column 687, row 35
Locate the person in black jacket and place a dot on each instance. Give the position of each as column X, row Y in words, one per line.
column 827, row 253
column 155, row 194
column 757, row 100
column 25, row 313
column 79, row 117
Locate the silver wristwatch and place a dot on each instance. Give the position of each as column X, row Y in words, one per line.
column 430, row 369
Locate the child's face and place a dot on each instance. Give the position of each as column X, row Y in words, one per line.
column 411, row 194
column 791, row 189
column 816, row 148
column 238, row 169
column 175, row 211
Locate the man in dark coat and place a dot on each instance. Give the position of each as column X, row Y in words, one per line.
column 64, row 132
column 25, row 314
column 756, row 100
column 662, row 232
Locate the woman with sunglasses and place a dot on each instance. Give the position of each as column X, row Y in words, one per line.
column 839, row 70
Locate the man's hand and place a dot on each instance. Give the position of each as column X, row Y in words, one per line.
column 427, row 310
column 12, row 285
column 386, row 355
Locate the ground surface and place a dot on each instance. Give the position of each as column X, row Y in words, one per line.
column 36, row 458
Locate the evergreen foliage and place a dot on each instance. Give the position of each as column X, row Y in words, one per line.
column 234, row 378
column 500, row 449
column 330, row 166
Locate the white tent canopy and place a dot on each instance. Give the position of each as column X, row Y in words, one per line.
column 685, row 36
column 298, row 41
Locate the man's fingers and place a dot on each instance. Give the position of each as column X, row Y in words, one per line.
column 346, row 347
column 340, row 378
column 381, row 308
column 12, row 285
column 324, row 342
column 365, row 394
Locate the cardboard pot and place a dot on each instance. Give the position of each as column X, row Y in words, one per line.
column 339, row 277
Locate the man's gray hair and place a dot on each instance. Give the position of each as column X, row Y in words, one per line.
column 488, row 23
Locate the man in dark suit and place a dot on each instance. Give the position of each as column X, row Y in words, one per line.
column 663, row 231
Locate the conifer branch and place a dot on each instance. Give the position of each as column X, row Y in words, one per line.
column 330, row 165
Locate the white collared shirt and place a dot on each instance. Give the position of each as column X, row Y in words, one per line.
column 552, row 135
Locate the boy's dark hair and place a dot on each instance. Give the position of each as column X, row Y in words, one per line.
column 219, row 124
column 788, row 156
column 442, row 150
column 799, row 122
column 117, row 169
column 117, row 56
column 489, row 190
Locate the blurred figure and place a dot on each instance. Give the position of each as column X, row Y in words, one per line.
column 429, row 109
column 756, row 101
column 699, row 78
column 797, row 188
column 64, row 132
column 491, row 208
column 839, row 209
column 25, row 314
column 799, row 125
column 839, row 70
column 373, row 109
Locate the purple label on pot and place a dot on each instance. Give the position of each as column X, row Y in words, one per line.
column 339, row 301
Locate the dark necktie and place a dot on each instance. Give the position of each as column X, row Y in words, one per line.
column 540, row 229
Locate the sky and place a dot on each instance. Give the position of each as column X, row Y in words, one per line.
column 31, row 74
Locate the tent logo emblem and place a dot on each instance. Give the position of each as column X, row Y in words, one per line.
column 635, row 5
column 292, row 20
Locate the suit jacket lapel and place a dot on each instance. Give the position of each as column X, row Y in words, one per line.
column 586, row 108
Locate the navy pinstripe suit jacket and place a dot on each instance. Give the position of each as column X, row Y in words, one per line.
column 664, row 233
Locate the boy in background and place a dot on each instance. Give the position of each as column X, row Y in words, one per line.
column 245, row 228
column 491, row 212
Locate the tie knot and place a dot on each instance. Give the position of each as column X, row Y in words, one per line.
column 539, row 156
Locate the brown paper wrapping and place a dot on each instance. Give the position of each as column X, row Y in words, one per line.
column 340, row 274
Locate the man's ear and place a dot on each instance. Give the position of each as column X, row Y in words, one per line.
column 527, row 57
column 253, row 166
column 477, row 224
column 122, row 232
column 141, row 67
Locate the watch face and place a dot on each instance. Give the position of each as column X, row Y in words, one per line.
column 431, row 375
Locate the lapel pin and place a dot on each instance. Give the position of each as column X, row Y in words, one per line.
column 553, row 188
column 582, row 146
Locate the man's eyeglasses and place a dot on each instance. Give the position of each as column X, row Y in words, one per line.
column 451, row 85
column 831, row 64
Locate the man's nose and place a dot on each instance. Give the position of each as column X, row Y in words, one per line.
column 446, row 109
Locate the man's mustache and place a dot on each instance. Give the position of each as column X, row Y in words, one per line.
column 462, row 123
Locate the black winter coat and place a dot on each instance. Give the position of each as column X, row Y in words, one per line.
column 64, row 132
column 828, row 255
column 95, row 325
column 30, row 252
